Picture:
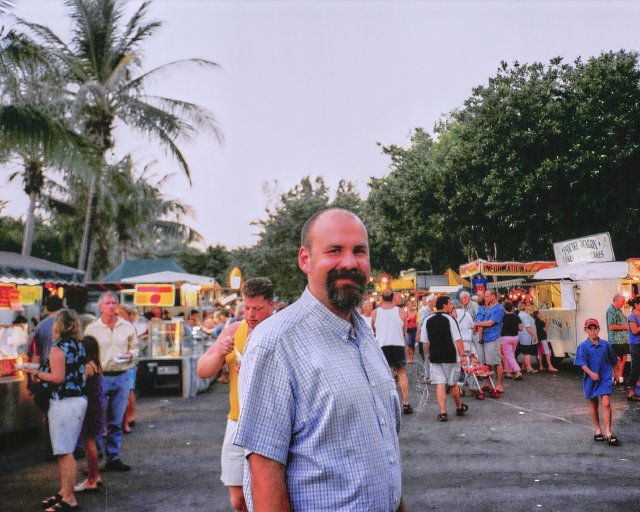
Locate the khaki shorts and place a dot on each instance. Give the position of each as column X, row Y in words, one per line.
column 445, row 373
column 489, row 353
column 231, row 458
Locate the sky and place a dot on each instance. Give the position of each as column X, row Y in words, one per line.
column 309, row 88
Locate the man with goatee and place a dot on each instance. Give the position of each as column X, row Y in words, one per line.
column 319, row 414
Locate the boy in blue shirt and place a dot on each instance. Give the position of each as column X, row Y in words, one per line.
column 597, row 360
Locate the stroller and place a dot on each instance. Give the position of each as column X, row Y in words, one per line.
column 470, row 379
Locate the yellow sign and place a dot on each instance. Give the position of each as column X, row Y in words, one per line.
column 163, row 295
column 30, row 294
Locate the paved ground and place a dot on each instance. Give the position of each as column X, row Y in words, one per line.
column 530, row 450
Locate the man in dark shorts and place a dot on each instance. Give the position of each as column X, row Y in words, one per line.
column 389, row 323
column 618, row 335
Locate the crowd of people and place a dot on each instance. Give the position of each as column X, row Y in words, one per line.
column 314, row 409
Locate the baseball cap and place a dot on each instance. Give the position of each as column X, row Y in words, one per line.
column 591, row 321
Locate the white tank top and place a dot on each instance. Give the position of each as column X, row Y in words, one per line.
column 389, row 327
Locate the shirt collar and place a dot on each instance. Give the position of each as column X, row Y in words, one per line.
column 342, row 328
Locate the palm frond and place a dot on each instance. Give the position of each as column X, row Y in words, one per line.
column 138, row 82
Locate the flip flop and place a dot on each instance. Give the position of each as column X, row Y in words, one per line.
column 599, row 438
column 613, row 441
column 51, row 501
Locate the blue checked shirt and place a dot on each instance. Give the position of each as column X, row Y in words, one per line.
column 317, row 396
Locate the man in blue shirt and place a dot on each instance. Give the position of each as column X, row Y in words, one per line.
column 489, row 319
column 44, row 331
column 319, row 413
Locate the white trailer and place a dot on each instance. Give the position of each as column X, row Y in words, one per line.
column 570, row 294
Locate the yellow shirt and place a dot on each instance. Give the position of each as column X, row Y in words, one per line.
column 239, row 341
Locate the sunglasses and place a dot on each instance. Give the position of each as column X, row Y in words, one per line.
column 591, row 327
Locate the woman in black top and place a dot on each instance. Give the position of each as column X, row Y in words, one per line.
column 509, row 341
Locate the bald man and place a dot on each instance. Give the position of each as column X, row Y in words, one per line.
column 319, row 414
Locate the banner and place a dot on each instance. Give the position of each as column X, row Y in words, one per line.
column 9, row 297
column 163, row 295
column 503, row 268
column 30, row 294
column 589, row 249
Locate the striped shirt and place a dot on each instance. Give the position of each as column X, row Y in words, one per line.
column 317, row 396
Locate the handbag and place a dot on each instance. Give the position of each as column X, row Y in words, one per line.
column 40, row 392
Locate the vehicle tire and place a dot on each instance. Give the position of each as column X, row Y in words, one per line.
column 555, row 360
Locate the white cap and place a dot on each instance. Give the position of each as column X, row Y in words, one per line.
column 431, row 297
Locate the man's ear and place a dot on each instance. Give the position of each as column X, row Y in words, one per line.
column 304, row 259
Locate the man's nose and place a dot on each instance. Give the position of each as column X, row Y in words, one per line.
column 348, row 260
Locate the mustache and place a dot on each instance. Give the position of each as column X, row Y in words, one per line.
column 347, row 273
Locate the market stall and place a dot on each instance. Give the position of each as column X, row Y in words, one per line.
column 169, row 357
column 23, row 282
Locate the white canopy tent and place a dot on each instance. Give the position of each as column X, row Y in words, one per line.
column 170, row 277
column 585, row 272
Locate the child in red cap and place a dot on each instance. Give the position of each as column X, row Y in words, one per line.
column 597, row 359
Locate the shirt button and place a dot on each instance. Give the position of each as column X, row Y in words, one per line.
column 373, row 384
column 382, row 422
column 392, row 461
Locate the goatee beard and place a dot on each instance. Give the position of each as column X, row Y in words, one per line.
column 346, row 297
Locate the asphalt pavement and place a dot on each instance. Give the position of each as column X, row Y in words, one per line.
column 530, row 450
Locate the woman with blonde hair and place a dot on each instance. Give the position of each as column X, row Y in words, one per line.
column 64, row 375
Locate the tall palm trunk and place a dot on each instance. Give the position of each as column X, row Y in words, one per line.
column 29, row 225
column 85, row 246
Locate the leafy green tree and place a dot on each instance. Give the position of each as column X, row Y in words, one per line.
column 214, row 262
column 100, row 64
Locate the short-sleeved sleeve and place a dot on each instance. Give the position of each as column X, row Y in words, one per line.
column 480, row 315
column 455, row 329
column 497, row 314
column 580, row 359
column 266, row 405
column 424, row 337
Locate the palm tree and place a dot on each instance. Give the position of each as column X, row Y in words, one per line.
column 101, row 62
column 33, row 128
column 145, row 222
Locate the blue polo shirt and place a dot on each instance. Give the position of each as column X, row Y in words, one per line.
column 634, row 339
column 599, row 358
column 495, row 313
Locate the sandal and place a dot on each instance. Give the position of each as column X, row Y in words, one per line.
column 406, row 409
column 519, row 377
column 613, row 440
column 508, row 376
column 61, row 506
column 443, row 416
column 598, row 438
column 51, row 501
column 463, row 408
column 633, row 398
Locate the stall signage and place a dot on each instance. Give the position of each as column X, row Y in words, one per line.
column 588, row 249
column 634, row 267
column 504, row 268
column 154, row 295
column 30, row 294
column 9, row 297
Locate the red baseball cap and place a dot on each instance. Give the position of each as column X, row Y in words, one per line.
column 591, row 321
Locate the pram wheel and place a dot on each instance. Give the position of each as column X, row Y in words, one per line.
column 480, row 395
column 495, row 393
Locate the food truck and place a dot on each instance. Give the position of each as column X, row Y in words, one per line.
column 581, row 286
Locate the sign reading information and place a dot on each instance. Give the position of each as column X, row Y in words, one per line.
column 163, row 295
column 588, row 249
